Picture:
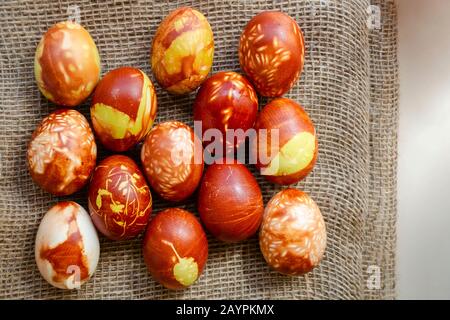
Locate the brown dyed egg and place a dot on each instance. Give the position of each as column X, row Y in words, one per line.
column 272, row 52
column 62, row 152
column 120, row 202
column 175, row 248
column 230, row 202
column 293, row 235
column 225, row 101
column 67, row 248
column 123, row 108
column 67, row 64
column 172, row 158
column 287, row 142
column 182, row 51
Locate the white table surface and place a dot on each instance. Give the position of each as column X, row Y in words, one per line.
column 423, row 247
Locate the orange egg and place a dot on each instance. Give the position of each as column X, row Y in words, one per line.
column 182, row 51
column 287, row 142
column 120, row 202
column 172, row 157
column 123, row 108
column 293, row 235
column 67, row 64
column 272, row 52
column 62, row 152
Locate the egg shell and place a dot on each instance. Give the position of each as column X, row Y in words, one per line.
column 272, row 52
column 175, row 248
column 293, row 235
column 226, row 100
column 62, row 152
column 172, row 158
column 230, row 202
column 123, row 108
column 67, row 248
column 182, row 51
column 67, row 64
column 295, row 154
column 120, row 202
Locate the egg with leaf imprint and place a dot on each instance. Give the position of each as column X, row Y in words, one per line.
column 182, row 51
column 120, row 202
column 175, row 248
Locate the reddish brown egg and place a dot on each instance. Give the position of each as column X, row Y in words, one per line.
column 287, row 142
column 182, row 51
column 172, row 158
column 67, row 64
column 293, row 235
column 230, row 202
column 119, row 201
column 175, row 248
column 67, row 248
column 272, row 52
column 62, row 152
column 226, row 101
column 123, row 108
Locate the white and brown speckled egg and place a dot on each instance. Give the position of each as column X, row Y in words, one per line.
column 67, row 248
column 172, row 158
column 293, row 234
column 62, row 152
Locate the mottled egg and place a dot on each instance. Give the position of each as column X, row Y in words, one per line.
column 62, row 152
column 120, row 202
column 67, row 248
column 230, row 202
column 175, row 248
column 67, row 64
column 226, row 101
column 272, row 52
column 287, row 142
column 182, row 51
column 172, row 158
column 123, row 108
column 293, row 235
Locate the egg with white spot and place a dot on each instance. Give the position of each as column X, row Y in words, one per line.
column 67, row 247
column 293, row 235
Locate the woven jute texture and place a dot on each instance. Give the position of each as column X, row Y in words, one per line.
column 349, row 87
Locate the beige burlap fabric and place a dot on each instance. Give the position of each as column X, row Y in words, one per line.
column 348, row 86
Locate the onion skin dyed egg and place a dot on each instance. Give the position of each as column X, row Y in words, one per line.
column 230, row 202
column 226, row 100
column 175, row 248
column 172, row 158
column 293, row 235
column 67, row 64
column 272, row 52
column 182, row 51
column 67, row 248
column 123, row 108
column 62, row 152
column 294, row 157
column 120, row 202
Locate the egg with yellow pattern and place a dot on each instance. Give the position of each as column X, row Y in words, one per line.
column 123, row 108
column 67, row 64
column 182, row 51
column 175, row 248
column 120, row 202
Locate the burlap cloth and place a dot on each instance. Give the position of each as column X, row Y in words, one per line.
column 349, row 86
